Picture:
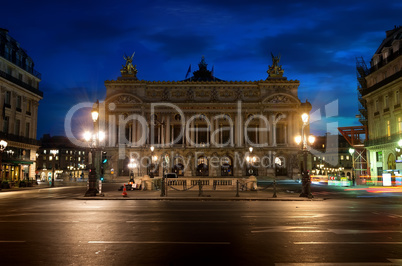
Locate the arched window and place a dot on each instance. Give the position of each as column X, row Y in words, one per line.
column 226, row 166
column 202, row 166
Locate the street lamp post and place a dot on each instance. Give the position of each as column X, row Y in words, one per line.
column 151, row 170
column 352, row 152
column 250, row 162
column 132, row 165
column 306, row 189
column 3, row 146
column 54, row 152
column 93, row 140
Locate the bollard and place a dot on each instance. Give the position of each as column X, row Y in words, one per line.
column 163, row 192
column 237, row 188
column 274, row 196
column 199, row 188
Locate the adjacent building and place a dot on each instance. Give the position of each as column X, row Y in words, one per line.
column 331, row 157
column 382, row 95
column 202, row 126
column 58, row 156
column 19, row 101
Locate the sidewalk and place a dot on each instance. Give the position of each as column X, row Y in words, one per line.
column 192, row 195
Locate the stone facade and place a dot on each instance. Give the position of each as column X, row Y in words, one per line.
column 202, row 126
column 383, row 98
column 19, row 101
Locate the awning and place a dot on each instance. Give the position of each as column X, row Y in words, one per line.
column 17, row 161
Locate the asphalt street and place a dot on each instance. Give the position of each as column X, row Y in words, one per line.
column 54, row 226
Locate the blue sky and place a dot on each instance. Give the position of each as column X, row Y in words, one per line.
column 77, row 45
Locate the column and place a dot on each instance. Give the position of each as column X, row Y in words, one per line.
column 231, row 135
column 290, row 128
column 262, row 132
column 211, row 129
column 159, row 139
column 167, row 129
column 236, row 130
column 241, row 131
column 196, row 135
column 217, row 136
column 273, row 134
column 192, row 133
column 133, row 133
column 111, row 131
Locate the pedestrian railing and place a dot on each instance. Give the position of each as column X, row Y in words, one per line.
column 237, row 185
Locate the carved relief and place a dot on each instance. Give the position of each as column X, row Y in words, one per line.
column 178, row 93
column 214, row 95
column 226, row 94
column 190, row 94
column 239, row 94
column 280, row 99
column 155, row 94
column 251, row 93
column 202, row 93
column 125, row 99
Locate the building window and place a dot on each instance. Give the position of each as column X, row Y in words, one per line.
column 397, row 99
column 17, row 126
column 6, row 124
column 28, row 107
column 7, row 100
column 347, row 157
column 388, row 128
column 19, row 102
column 379, row 156
column 27, row 129
column 377, row 107
column 342, row 158
column 399, row 125
column 386, row 101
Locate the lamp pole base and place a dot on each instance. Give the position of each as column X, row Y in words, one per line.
column 306, row 189
column 92, row 190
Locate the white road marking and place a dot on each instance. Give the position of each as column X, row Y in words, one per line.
column 391, row 263
column 289, row 229
column 159, row 242
column 30, row 221
column 176, row 222
column 284, row 217
column 352, row 231
column 306, row 229
column 347, row 243
column 12, row 241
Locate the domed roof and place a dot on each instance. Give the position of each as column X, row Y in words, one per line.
column 203, row 74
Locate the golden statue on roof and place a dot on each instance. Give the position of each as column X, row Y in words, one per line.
column 275, row 71
column 128, row 69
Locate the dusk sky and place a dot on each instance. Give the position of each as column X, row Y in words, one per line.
column 77, row 45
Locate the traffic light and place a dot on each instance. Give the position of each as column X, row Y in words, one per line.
column 104, row 157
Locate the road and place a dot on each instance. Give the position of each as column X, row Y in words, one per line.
column 51, row 227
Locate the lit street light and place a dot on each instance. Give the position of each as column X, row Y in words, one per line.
column 352, row 152
column 3, row 146
column 153, row 158
column 93, row 140
column 132, row 165
column 306, row 189
column 54, row 152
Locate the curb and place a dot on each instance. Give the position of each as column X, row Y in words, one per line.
column 199, row 198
